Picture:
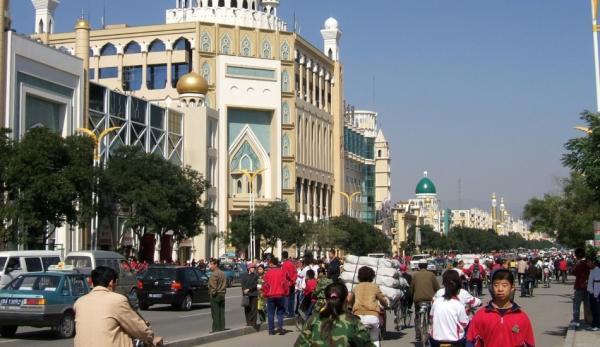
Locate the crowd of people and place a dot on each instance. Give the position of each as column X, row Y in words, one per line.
column 338, row 315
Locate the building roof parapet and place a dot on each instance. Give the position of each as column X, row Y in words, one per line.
column 231, row 16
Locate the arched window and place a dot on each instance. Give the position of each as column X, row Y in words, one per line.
column 132, row 48
column 50, row 26
column 285, row 113
column 379, row 153
column 221, row 3
column 285, row 81
column 157, row 46
column 285, row 146
column 41, row 27
column 245, row 4
column 285, row 51
column 254, row 5
column 246, row 47
column 266, row 49
column 205, row 42
column 286, row 178
column 234, row 3
column 225, row 44
column 181, row 44
column 209, row 3
column 330, row 54
column 108, row 49
column 206, row 72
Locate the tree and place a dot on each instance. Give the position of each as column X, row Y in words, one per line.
column 272, row 223
column 363, row 238
column 583, row 154
column 6, row 154
column 39, row 178
column 568, row 215
column 323, row 235
column 158, row 195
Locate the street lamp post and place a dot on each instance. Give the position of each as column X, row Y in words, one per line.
column 97, row 161
column 251, row 175
column 349, row 198
column 595, row 29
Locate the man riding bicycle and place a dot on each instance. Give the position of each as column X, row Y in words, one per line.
column 476, row 274
column 423, row 287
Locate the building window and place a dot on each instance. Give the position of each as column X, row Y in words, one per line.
column 205, row 42
column 286, row 146
column 92, row 74
column 97, row 95
column 133, row 48
column 156, row 76
column 42, row 113
column 245, row 4
column 108, row 50
column 285, row 113
column 157, row 46
column 181, row 44
column 286, row 178
column 132, row 77
column 178, row 70
column 285, row 51
column 108, row 72
column 206, row 72
column 285, row 81
column 266, row 50
column 246, row 47
column 225, row 45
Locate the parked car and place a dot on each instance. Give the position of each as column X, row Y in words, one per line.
column 15, row 263
column 233, row 272
column 414, row 261
column 86, row 261
column 42, row 299
column 440, row 265
column 178, row 286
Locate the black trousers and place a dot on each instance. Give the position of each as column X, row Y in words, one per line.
column 251, row 311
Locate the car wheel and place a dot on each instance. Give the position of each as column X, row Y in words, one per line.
column 144, row 306
column 8, row 330
column 228, row 283
column 186, row 304
column 66, row 327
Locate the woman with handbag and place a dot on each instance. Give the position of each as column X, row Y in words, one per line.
column 250, row 295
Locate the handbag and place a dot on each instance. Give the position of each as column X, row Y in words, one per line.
column 245, row 301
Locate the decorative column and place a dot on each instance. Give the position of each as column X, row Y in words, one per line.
column 144, row 66
column 320, row 103
column 314, row 200
column 301, row 75
column 301, row 202
column 327, row 91
column 307, row 91
column 169, row 66
column 314, row 85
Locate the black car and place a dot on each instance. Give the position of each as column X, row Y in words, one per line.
column 178, row 286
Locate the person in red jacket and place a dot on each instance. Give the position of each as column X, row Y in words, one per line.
column 476, row 275
column 290, row 270
column 275, row 289
column 502, row 323
column 563, row 266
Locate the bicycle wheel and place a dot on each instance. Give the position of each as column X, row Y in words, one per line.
column 406, row 317
column 299, row 321
column 424, row 329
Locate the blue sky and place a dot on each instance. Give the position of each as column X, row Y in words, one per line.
column 485, row 92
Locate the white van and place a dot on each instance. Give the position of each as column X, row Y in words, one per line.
column 14, row 263
column 86, row 261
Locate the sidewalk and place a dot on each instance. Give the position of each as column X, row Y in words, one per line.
column 581, row 338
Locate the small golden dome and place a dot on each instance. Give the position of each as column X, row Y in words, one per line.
column 82, row 23
column 192, row 83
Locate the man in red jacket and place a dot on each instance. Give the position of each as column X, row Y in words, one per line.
column 290, row 270
column 275, row 289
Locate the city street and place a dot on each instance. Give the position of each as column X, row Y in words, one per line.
column 166, row 322
column 549, row 310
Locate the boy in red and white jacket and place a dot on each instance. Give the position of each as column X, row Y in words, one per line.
column 275, row 289
column 502, row 323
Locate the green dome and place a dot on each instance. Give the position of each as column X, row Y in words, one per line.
column 425, row 186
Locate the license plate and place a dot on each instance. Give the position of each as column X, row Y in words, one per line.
column 11, row 302
column 155, row 296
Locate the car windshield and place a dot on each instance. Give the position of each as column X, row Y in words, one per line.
column 2, row 263
column 45, row 283
column 158, row 273
column 79, row 261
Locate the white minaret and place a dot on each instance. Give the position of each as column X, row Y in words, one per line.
column 44, row 15
column 271, row 6
column 331, row 37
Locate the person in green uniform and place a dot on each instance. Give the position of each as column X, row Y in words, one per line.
column 217, row 286
column 334, row 326
column 319, row 293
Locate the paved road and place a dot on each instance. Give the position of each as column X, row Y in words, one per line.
column 550, row 312
column 166, row 322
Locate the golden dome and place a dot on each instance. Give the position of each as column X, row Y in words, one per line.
column 192, row 83
column 82, row 23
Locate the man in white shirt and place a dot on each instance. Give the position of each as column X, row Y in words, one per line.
column 593, row 289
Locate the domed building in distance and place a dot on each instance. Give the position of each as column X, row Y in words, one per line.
column 425, row 205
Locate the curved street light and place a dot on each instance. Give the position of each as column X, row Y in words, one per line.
column 349, row 198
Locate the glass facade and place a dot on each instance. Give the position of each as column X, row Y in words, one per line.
column 156, row 76
column 43, row 113
column 155, row 129
column 132, row 77
column 363, row 148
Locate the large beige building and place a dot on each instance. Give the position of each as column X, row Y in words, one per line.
column 278, row 98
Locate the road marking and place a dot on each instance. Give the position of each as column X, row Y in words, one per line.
column 6, row 341
column 195, row 315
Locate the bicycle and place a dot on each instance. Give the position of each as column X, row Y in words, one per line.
column 547, row 279
column 474, row 289
column 424, row 323
column 402, row 313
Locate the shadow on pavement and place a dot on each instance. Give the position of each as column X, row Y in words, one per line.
column 41, row 335
column 168, row 308
column 393, row 335
column 560, row 331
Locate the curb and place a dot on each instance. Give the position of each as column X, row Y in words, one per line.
column 570, row 339
column 223, row 335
